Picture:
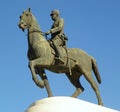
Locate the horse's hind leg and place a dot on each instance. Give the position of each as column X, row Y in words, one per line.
column 94, row 85
column 74, row 79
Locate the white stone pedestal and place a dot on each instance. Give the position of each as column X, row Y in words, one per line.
column 65, row 104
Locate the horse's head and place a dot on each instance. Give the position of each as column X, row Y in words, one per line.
column 25, row 20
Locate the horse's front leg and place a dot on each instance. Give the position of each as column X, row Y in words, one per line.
column 39, row 83
column 42, row 74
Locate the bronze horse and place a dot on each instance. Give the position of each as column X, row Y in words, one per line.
column 42, row 56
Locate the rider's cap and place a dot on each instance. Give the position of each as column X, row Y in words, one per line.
column 55, row 12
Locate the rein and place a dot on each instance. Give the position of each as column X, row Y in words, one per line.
column 38, row 31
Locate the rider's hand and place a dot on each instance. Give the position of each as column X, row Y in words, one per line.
column 47, row 33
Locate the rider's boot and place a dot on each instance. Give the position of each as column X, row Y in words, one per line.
column 59, row 57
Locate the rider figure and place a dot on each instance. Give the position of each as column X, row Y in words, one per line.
column 57, row 35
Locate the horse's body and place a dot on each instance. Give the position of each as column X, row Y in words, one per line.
column 41, row 56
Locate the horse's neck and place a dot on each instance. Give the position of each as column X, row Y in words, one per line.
column 35, row 28
column 34, row 25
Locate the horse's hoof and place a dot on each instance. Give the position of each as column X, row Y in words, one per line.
column 41, row 84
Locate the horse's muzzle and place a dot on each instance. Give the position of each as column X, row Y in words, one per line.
column 20, row 26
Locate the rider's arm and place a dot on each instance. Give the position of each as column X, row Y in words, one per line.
column 59, row 28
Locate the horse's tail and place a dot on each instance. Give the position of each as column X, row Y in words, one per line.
column 95, row 70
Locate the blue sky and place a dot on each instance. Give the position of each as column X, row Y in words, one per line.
column 91, row 25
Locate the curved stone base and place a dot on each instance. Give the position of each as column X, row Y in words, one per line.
column 65, row 104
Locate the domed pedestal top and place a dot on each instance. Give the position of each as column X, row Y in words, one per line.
column 65, row 104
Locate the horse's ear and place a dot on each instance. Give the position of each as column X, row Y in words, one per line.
column 29, row 9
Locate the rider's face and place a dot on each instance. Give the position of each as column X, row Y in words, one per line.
column 54, row 16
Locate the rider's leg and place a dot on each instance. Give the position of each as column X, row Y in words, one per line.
column 57, row 50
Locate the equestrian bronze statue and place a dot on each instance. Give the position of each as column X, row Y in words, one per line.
column 42, row 56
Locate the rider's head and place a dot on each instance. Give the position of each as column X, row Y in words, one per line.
column 55, row 14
